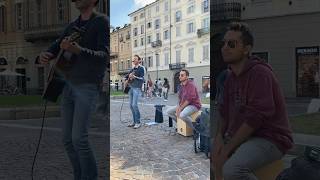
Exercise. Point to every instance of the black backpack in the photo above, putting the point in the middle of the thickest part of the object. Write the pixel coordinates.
(305, 167)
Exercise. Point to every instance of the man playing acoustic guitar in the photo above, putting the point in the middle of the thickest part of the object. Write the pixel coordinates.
(89, 61)
(135, 80)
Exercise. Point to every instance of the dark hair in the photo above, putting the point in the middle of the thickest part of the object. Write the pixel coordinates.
(137, 57)
(187, 72)
(246, 35)
(96, 3)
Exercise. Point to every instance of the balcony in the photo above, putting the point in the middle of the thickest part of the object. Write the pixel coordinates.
(123, 72)
(177, 66)
(226, 11)
(114, 55)
(156, 43)
(44, 32)
(203, 31)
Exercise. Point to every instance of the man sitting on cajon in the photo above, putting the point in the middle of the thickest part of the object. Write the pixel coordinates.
(189, 100)
(253, 129)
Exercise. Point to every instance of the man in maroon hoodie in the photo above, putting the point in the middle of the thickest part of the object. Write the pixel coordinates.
(189, 100)
(253, 126)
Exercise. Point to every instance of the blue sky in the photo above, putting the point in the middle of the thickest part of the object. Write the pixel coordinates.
(119, 10)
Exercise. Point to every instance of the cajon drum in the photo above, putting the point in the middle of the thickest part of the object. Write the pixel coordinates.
(270, 171)
(182, 126)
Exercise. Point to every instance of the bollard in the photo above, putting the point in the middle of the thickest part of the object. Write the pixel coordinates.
(159, 114)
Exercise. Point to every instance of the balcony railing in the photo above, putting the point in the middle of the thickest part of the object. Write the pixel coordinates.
(114, 55)
(226, 11)
(156, 43)
(203, 31)
(177, 66)
(45, 32)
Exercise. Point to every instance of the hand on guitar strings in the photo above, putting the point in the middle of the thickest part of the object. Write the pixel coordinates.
(45, 57)
(72, 47)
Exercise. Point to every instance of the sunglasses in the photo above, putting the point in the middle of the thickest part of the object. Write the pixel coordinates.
(230, 43)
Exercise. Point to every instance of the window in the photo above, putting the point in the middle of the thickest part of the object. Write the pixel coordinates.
(135, 43)
(149, 13)
(205, 23)
(166, 6)
(158, 36)
(157, 60)
(166, 18)
(157, 23)
(39, 13)
(135, 31)
(178, 56)
(157, 8)
(121, 47)
(166, 58)
(128, 64)
(135, 18)
(122, 65)
(150, 61)
(111, 69)
(61, 10)
(205, 52)
(166, 34)
(191, 55)
(19, 19)
(177, 1)
(205, 6)
(190, 9)
(149, 24)
(2, 19)
(190, 27)
(178, 16)
(178, 31)
(141, 15)
(148, 39)
(141, 42)
(142, 29)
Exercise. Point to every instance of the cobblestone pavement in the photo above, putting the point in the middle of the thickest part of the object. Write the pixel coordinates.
(18, 142)
(151, 152)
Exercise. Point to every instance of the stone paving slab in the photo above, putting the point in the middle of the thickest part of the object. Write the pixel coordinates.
(18, 146)
(151, 152)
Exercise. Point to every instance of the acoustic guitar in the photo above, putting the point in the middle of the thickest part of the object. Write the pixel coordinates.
(58, 68)
(126, 84)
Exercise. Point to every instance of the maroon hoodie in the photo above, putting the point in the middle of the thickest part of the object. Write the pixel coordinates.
(254, 97)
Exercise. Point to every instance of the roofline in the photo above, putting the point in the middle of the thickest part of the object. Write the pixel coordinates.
(142, 8)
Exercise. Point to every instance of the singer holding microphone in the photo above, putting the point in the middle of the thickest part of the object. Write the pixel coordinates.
(89, 61)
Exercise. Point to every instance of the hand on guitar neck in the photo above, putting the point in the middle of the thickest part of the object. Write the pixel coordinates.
(72, 47)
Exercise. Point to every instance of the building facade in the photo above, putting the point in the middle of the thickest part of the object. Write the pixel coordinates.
(170, 35)
(286, 36)
(120, 59)
(28, 27)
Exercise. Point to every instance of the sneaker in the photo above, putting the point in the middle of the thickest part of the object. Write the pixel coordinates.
(131, 125)
(136, 126)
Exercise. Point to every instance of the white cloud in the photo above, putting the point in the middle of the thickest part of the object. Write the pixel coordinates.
(142, 3)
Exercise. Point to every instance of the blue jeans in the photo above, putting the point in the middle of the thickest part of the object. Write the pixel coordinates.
(134, 94)
(76, 107)
(185, 114)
